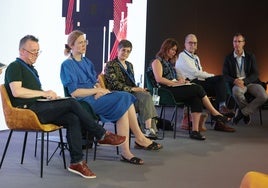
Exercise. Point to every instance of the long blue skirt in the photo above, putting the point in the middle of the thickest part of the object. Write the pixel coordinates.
(112, 106)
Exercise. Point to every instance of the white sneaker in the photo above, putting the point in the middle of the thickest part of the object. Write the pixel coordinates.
(150, 133)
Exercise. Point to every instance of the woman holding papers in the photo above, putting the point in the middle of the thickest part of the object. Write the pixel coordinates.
(193, 94)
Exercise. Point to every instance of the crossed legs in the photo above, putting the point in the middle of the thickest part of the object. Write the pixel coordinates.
(129, 122)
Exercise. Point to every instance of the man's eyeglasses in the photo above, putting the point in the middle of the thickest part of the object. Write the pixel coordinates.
(238, 41)
(192, 43)
(33, 53)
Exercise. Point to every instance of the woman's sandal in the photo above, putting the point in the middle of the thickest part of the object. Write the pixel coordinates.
(152, 146)
(133, 160)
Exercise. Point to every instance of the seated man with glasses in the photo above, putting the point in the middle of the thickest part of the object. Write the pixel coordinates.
(37, 53)
(25, 91)
(188, 64)
(241, 73)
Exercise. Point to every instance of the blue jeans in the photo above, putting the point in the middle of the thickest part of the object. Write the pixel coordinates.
(71, 115)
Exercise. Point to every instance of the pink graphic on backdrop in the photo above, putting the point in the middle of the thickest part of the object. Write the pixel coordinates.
(69, 18)
(120, 24)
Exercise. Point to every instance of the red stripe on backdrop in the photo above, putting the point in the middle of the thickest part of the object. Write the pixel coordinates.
(120, 24)
(69, 18)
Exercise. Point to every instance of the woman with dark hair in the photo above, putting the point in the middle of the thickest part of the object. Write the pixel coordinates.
(119, 75)
(192, 94)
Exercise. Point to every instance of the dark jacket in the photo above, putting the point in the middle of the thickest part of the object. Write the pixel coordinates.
(117, 78)
(250, 67)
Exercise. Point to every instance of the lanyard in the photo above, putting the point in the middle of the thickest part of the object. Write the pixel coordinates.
(31, 69)
(195, 60)
(240, 68)
(127, 71)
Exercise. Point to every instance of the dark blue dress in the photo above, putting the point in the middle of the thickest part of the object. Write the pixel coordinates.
(110, 107)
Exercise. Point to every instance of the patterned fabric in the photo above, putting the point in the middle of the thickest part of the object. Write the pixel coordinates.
(118, 78)
(169, 71)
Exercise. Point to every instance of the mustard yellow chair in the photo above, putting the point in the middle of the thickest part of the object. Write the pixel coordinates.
(18, 119)
(254, 179)
(101, 80)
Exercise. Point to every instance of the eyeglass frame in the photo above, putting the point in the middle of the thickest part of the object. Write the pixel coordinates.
(32, 53)
(192, 43)
(238, 41)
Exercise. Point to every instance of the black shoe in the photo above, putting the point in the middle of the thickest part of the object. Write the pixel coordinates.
(238, 117)
(197, 136)
(247, 119)
(220, 118)
(226, 112)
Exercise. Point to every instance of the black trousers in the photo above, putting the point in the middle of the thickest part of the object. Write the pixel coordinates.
(190, 94)
(71, 115)
(215, 87)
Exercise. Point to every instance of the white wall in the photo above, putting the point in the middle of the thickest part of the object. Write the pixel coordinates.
(136, 33)
(42, 18)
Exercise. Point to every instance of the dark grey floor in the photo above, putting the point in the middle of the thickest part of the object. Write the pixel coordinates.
(219, 162)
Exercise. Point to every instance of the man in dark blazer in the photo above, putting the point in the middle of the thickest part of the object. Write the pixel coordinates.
(241, 73)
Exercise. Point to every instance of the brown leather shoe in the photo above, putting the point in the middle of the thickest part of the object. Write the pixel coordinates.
(82, 170)
(112, 139)
(220, 126)
(227, 112)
